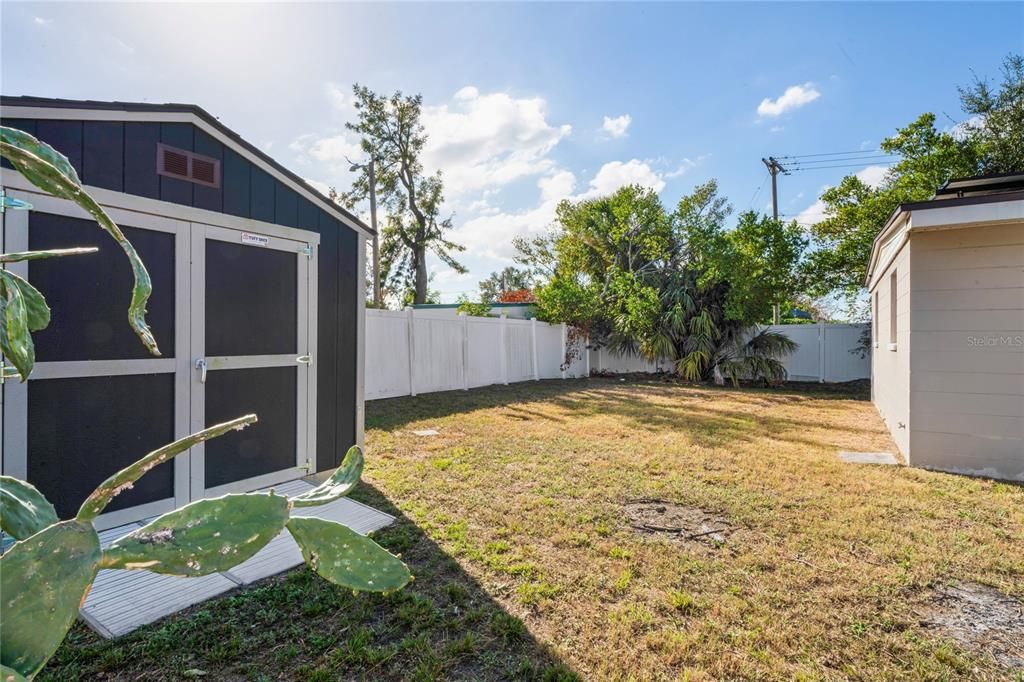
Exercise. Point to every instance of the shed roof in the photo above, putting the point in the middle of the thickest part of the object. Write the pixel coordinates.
(345, 216)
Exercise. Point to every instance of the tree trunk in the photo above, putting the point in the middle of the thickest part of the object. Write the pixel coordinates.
(420, 256)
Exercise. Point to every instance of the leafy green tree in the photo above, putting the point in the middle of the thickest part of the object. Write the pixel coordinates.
(855, 212)
(761, 266)
(990, 142)
(640, 280)
(509, 279)
(467, 307)
(999, 123)
(393, 135)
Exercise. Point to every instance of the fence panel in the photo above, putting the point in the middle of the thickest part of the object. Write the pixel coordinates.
(805, 363)
(387, 354)
(845, 360)
(519, 350)
(825, 352)
(549, 351)
(450, 353)
(484, 351)
(438, 354)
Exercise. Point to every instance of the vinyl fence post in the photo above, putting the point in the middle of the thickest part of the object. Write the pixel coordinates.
(586, 354)
(411, 324)
(465, 351)
(503, 348)
(565, 362)
(821, 352)
(533, 346)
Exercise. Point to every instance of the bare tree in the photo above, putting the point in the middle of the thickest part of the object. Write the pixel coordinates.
(393, 136)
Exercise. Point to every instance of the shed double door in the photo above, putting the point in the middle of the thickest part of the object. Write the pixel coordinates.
(250, 344)
(234, 315)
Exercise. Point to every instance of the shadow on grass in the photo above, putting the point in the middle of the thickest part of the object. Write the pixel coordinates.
(747, 417)
(296, 626)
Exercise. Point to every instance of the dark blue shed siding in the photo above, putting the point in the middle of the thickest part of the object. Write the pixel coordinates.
(122, 157)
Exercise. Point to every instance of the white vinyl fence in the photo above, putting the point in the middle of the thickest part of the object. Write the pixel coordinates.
(409, 352)
(825, 352)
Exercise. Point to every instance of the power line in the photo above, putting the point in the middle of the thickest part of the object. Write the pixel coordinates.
(859, 151)
(845, 159)
(757, 192)
(860, 165)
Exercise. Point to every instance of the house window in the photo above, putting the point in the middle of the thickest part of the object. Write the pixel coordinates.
(189, 166)
(892, 311)
(874, 319)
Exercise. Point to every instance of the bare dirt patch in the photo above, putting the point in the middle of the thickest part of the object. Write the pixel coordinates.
(979, 618)
(678, 522)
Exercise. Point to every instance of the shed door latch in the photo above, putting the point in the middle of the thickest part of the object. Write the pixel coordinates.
(307, 251)
(304, 359)
(202, 366)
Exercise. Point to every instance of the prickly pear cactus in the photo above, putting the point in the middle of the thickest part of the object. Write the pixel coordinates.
(207, 536)
(51, 171)
(46, 575)
(340, 484)
(23, 509)
(347, 558)
(43, 581)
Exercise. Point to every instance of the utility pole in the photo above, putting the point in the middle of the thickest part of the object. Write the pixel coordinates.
(774, 168)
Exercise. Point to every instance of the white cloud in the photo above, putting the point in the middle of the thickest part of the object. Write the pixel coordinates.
(336, 149)
(337, 96)
(491, 235)
(617, 127)
(448, 276)
(41, 21)
(557, 186)
(794, 97)
(872, 176)
(616, 174)
(777, 129)
(814, 213)
(321, 187)
(489, 140)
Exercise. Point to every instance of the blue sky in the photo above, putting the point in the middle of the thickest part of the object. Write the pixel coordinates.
(528, 104)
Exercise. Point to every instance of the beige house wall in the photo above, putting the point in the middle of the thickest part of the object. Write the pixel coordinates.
(890, 363)
(966, 373)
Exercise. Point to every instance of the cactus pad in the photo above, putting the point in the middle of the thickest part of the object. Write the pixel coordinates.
(347, 558)
(43, 582)
(10, 675)
(340, 484)
(203, 537)
(23, 509)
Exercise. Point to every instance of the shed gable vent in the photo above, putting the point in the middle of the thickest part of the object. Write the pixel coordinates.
(185, 165)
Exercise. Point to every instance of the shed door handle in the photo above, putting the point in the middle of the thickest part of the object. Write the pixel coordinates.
(201, 366)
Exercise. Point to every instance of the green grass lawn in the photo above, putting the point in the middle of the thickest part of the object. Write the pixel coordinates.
(527, 566)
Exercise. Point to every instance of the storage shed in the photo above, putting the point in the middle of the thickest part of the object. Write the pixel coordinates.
(946, 280)
(257, 306)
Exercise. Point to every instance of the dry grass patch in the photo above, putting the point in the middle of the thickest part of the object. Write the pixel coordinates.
(528, 566)
(820, 579)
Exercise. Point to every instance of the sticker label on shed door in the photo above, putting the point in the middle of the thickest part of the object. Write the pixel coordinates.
(255, 239)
